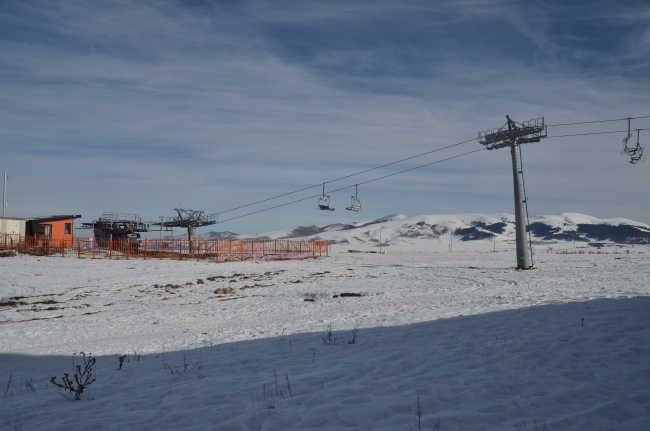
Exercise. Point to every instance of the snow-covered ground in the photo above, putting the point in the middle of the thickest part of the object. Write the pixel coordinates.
(565, 346)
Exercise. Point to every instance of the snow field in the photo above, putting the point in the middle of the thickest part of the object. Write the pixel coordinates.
(488, 347)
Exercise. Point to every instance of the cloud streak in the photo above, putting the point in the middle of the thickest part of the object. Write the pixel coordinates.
(138, 106)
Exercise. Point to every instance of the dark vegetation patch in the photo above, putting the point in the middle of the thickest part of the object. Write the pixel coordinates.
(550, 233)
(472, 234)
(301, 231)
(494, 227)
(624, 234)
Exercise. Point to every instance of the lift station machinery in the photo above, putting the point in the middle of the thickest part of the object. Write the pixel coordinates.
(118, 225)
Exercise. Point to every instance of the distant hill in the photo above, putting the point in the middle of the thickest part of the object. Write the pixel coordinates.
(466, 227)
(216, 235)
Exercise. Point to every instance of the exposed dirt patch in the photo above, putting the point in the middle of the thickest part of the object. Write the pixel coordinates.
(12, 303)
(251, 286)
(216, 277)
(167, 286)
(348, 295)
(224, 291)
(48, 301)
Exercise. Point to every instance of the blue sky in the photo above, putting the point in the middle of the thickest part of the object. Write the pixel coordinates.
(139, 107)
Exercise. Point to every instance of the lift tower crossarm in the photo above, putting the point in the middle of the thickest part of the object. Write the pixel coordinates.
(513, 137)
(190, 219)
(526, 132)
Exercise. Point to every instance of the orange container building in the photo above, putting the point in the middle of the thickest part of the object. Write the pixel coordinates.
(60, 227)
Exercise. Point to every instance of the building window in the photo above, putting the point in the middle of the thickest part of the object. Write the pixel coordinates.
(45, 230)
(68, 228)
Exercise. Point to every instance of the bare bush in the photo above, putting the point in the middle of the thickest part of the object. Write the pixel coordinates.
(82, 377)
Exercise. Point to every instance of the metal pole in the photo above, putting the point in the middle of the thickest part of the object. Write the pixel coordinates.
(4, 195)
(190, 237)
(523, 261)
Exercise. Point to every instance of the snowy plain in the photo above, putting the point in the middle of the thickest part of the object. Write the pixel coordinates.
(565, 346)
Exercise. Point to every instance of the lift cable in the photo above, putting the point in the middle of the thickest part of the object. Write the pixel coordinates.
(424, 154)
(597, 121)
(348, 176)
(592, 133)
(347, 187)
(387, 176)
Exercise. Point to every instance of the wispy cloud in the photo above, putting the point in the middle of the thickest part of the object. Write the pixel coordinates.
(139, 106)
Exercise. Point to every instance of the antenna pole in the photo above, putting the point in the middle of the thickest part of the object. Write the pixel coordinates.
(4, 195)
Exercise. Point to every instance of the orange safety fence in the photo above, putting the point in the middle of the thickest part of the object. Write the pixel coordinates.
(10, 241)
(223, 250)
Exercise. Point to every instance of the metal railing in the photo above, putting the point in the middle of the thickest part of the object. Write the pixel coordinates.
(223, 250)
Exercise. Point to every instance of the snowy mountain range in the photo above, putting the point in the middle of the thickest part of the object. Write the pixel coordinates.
(465, 227)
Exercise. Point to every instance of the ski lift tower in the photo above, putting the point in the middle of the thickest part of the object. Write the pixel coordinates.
(190, 219)
(512, 135)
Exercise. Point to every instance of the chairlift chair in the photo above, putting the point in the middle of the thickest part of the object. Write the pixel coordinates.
(626, 150)
(324, 201)
(637, 152)
(355, 205)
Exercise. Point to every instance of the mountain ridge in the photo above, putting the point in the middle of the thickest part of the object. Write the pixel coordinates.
(466, 227)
